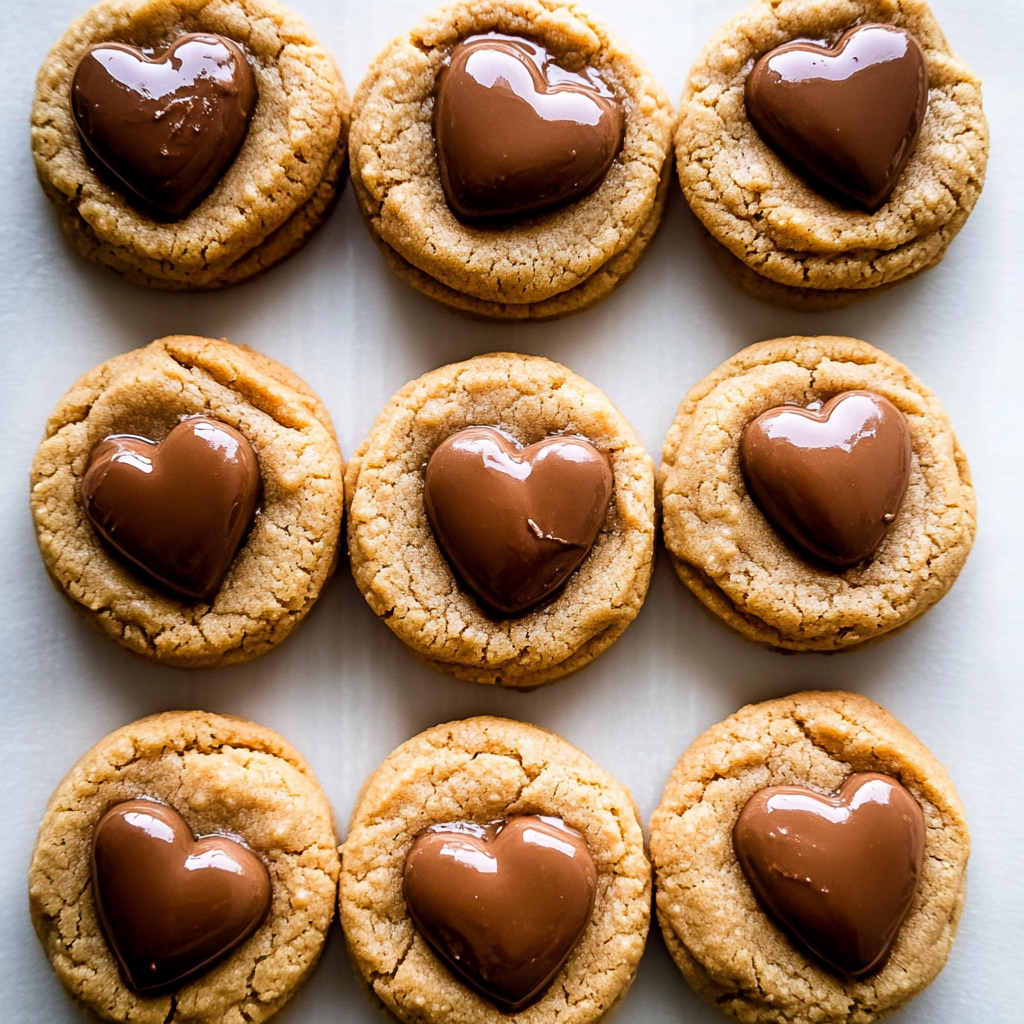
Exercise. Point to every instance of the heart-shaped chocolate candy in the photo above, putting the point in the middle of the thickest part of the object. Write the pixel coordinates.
(179, 509)
(848, 116)
(503, 904)
(516, 523)
(837, 873)
(166, 127)
(172, 906)
(832, 480)
(516, 133)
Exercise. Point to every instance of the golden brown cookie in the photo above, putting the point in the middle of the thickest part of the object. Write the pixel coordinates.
(409, 583)
(542, 266)
(480, 770)
(728, 949)
(285, 558)
(222, 775)
(793, 245)
(266, 204)
(736, 561)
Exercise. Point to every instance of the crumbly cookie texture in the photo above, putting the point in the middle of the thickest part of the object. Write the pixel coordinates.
(542, 266)
(483, 769)
(769, 218)
(728, 950)
(731, 557)
(292, 549)
(271, 199)
(404, 576)
(221, 774)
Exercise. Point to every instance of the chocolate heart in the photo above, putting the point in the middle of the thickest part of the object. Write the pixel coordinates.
(832, 480)
(166, 127)
(516, 133)
(172, 906)
(849, 116)
(179, 509)
(837, 873)
(516, 523)
(502, 904)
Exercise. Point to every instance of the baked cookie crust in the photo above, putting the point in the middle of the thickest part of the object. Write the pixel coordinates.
(535, 268)
(726, 947)
(270, 200)
(739, 566)
(293, 546)
(221, 774)
(482, 769)
(406, 579)
(777, 225)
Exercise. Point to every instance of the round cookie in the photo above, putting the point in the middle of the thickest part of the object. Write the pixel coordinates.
(484, 769)
(735, 561)
(780, 239)
(537, 267)
(221, 775)
(728, 949)
(284, 560)
(268, 201)
(408, 582)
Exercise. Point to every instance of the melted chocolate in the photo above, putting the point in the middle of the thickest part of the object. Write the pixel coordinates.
(179, 509)
(167, 127)
(849, 117)
(516, 133)
(832, 480)
(516, 523)
(838, 873)
(503, 904)
(172, 906)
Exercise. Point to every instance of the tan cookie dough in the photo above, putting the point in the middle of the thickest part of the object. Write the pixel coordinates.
(728, 554)
(766, 216)
(537, 268)
(292, 549)
(221, 774)
(728, 950)
(483, 769)
(270, 200)
(404, 576)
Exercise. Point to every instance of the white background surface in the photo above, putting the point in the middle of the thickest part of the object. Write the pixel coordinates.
(344, 691)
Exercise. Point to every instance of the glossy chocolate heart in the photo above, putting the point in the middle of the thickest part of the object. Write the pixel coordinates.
(848, 116)
(516, 133)
(179, 509)
(837, 873)
(516, 523)
(833, 479)
(172, 906)
(503, 904)
(166, 127)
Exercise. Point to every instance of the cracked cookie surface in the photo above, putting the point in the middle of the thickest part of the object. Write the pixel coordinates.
(403, 575)
(292, 548)
(280, 187)
(797, 241)
(221, 774)
(727, 949)
(484, 769)
(536, 268)
(739, 566)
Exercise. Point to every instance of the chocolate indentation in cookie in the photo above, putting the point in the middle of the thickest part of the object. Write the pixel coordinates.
(166, 127)
(516, 523)
(503, 904)
(848, 116)
(516, 133)
(833, 479)
(838, 873)
(172, 906)
(179, 509)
